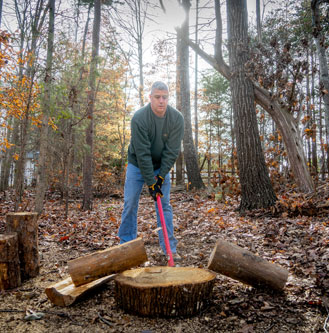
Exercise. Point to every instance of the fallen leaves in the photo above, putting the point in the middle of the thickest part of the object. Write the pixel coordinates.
(298, 242)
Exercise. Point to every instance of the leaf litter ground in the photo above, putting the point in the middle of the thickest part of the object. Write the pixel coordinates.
(300, 244)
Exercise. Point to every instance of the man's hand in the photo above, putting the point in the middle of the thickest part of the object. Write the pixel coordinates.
(155, 191)
(160, 180)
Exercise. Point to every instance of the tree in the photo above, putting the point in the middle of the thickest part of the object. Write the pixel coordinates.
(46, 105)
(196, 121)
(216, 104)
(190, 156)
(132, 21)
(88, 159)
(37, 22)
(1, 3)
(321, 50)
(256, 187)
(274, 105)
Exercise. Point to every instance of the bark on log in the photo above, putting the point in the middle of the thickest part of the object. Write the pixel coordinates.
(65, 293)
(113, 260)
(25, 224)
(10, 274)
(242, 265)
(164, 291)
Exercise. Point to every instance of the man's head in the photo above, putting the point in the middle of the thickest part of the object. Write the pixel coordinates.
(159, 98)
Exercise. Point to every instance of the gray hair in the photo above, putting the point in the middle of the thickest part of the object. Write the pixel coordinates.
(159, 85)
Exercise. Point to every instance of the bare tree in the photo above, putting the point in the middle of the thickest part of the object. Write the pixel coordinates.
(132, 20)
(321, 51)
(258, 21)
(190, 156)
(196, 121)
(273, 105)
(256, 187)
(41, 173)
(30, 32)
(88, 159)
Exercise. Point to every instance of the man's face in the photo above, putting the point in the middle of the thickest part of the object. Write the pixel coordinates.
(159, 101)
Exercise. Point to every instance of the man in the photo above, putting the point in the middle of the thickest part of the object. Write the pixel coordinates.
(157, 130)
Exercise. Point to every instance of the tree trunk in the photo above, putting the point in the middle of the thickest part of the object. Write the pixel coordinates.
(26, 227)
(285, 122)
(20, 165)
(164, 291)
(324, 73)
(288, 128)
(256, 187)
(258, 19)
(42, 170)
(115, 259)
(6, 163)
(88, 160)
(179, 161)
(180, 169)
(196, 121)
(141, 75)
(242, 265)
(315, 163)
(10, 274)
(37, 20)
(190, 156)
(1, 3)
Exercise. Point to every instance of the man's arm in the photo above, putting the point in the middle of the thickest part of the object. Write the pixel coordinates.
(142, 149)
(172, 146)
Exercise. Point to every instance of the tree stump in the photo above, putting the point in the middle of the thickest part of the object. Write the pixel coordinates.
(112, 260)
(242, 265)
(25, 224)
(10, 274)
(164, 291)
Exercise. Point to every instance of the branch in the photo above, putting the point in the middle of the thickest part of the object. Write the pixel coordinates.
(218, 64)
(162, 6)
(219, 30)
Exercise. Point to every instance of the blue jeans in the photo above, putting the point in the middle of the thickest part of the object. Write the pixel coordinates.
(132, 190)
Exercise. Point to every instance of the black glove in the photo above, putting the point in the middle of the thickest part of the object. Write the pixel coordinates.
(160, 180)
(155, 191)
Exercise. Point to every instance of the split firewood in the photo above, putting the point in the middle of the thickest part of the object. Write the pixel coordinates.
(25, 224)
(244, 266)
(113, 260)
(65, 293)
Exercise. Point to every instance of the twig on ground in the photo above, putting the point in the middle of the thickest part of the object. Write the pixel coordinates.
(325, 302)
(325, 324)
(104, 320)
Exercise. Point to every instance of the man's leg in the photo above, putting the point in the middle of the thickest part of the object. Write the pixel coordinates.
(168, 215)
(132, 190)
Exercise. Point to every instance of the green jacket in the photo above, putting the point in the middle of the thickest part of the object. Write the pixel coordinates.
(155, 142)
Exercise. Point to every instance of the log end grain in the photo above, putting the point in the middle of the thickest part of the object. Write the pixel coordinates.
(164, 291)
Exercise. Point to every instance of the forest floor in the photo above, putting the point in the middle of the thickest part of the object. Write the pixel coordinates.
(296, 242)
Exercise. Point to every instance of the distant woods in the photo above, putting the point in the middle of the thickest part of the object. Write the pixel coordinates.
(73, 74)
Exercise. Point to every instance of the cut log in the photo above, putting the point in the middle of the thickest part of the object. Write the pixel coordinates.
(25, 224)
(164, 291)
(10, 274)
(65, 293)
(244, 266)
(113, 260)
